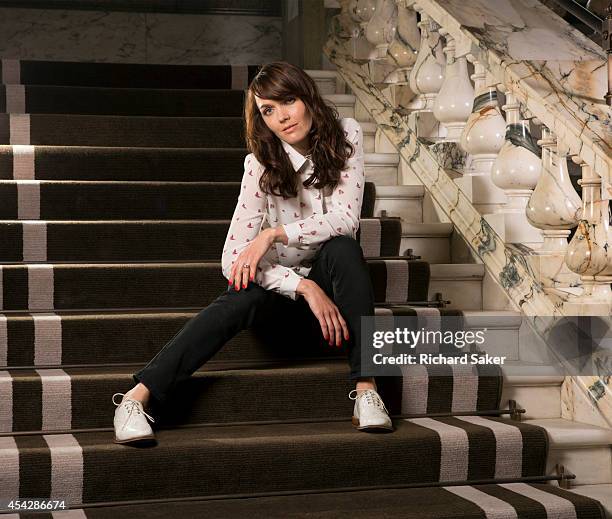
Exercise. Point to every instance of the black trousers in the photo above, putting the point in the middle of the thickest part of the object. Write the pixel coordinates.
(339, 268)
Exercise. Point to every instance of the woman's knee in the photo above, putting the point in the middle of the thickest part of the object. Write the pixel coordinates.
(252, 295)
(343, 247)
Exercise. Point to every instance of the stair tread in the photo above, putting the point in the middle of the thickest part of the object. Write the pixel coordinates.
(601, 492)
(399, 503)
(245, 368)
(565, 433)
(280, 433)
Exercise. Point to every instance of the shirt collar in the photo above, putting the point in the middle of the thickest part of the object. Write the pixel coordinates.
(296, 158)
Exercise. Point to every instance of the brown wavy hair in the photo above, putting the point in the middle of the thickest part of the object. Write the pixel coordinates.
(280, 81)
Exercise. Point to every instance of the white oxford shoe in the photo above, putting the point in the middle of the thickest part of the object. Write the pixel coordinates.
(131, 421)
(370, 412)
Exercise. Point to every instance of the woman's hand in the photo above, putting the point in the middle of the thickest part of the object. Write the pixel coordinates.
(250, 255)
(332, 323)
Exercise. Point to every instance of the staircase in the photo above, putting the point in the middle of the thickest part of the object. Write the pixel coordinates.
(118, 182)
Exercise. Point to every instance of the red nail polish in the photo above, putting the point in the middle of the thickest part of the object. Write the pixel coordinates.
(244, 285)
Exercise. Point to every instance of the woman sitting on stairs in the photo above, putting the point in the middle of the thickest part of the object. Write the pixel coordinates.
(305, 180)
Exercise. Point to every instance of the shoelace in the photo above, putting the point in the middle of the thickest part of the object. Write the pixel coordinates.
(371, 397)
(131, 406)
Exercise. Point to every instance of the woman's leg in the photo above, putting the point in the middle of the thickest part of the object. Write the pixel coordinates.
(341, 271)
(199, 339)
(339, 268)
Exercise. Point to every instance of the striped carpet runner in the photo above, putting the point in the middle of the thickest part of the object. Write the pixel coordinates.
(504, 501)
(247, 459)
(118, 182)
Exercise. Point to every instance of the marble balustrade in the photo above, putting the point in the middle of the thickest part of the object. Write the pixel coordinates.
(551, 86)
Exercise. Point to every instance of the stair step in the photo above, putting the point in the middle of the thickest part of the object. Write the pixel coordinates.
(540, 396)
(535, 500)
(69, 286)
(601, 493)
(87, 163)
(405, 202)
(461, 283)
(382, 168)
(344, 103)
(272, 457)
(126, 200)
(46, 99)
(60, 200)
(369, 136)
(431, 241)
(583, 449)
(71, 339)
(148, 240)
(61, 399)
(130, 75)
(109, 130)
(328, 81)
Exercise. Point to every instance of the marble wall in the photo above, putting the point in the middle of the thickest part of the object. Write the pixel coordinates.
(125, 37)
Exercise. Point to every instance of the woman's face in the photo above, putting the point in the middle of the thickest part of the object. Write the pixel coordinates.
(281, 115)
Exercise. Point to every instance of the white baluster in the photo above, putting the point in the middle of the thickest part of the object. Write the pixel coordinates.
(589, 253)
(361, 12)
(428, 72)
(554, 208)
(482, 138)
(382, 27)
(453, 104)
(516, 170)
(403, 49)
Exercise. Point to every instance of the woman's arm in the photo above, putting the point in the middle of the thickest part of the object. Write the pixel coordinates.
(245, 227)
(342, 217)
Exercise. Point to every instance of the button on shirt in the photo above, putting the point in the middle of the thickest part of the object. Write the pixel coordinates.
(309, 219)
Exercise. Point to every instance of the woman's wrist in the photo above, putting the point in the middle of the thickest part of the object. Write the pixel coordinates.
(278, 234)
(303, 286)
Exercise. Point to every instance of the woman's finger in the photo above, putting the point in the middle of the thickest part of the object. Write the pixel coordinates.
(345, 330)
(323, 324)
(330, 328)
(246, 272)
(337, 329)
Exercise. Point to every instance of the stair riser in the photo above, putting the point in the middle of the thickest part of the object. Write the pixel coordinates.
(108, 201)
(464, 294)
(538, 401)
(432, 250)
(181, 285)
(122, 101)
(408, 209)
(591, 465)
(135, 75)
(369, 141)
(149, 241)
(58, 339)
(86, 130)
(126, 200)
(382, 175)
(43, 401)
(117, 164)
(62, 399)
(64, 339)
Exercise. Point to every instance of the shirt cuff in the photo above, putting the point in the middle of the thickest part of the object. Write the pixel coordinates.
(292, 230)
(289, 285)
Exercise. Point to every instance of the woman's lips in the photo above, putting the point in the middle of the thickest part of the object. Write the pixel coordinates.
(291, 128)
